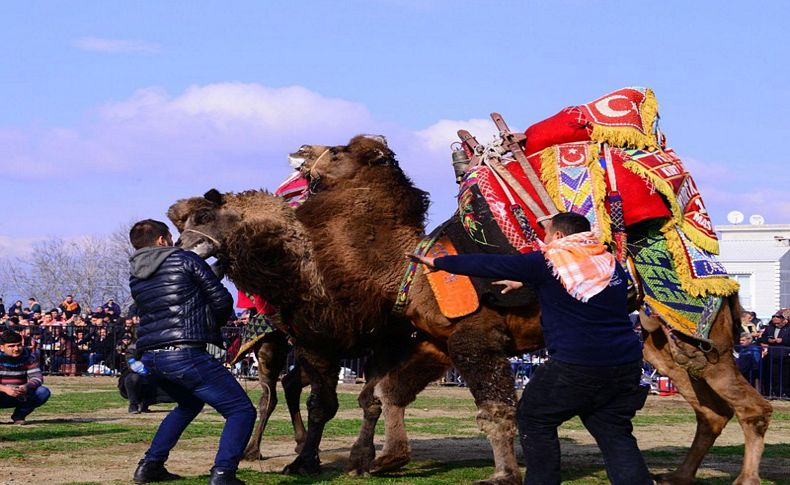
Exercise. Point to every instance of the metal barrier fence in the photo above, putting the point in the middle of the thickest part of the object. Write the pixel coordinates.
(77, 350)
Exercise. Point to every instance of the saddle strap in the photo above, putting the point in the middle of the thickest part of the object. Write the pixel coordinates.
(402, 298)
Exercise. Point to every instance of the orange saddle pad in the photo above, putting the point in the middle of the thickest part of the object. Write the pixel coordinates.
(455, 294)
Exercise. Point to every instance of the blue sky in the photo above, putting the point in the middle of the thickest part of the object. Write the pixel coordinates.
(113, 110)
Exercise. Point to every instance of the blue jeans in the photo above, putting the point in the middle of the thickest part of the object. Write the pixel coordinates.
(193, 378)
(605, 398)
(23, 407)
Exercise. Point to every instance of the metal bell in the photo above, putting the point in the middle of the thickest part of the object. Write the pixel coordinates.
(460, 161)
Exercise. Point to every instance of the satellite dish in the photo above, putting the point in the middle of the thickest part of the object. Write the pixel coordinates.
(757, 220)
(735, 217)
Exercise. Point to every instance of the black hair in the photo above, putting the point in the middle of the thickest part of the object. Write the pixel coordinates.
(10, 337)
(569, 223)
(145, 233)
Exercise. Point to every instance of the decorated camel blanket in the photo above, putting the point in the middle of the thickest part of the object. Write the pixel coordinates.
(609, 161)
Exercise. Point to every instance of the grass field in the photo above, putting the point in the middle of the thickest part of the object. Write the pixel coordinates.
(84, 435)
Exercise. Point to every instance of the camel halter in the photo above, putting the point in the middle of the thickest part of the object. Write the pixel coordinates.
(310, 172)
(210, 238)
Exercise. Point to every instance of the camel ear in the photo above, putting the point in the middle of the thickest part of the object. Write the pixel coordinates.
(371, 149)
(214, 196)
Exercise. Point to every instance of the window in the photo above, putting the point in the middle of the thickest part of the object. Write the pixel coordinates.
(745, 294)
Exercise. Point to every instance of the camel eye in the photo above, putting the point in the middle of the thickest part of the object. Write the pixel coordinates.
(204, 217)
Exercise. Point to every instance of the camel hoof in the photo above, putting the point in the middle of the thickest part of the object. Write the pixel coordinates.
(388, 463)
(360, 460)
(505, 480)
(672, 479)
(253, 454)
(750, 480)
(303, 466)
(299, 447)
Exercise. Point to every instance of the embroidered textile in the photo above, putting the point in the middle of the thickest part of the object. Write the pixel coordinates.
(664, 293)
(576, 182)
(664, 171)
(455, 294)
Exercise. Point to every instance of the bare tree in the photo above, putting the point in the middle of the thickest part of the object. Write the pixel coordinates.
(93, 269)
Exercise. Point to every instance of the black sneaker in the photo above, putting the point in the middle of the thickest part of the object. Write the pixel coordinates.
(224, 477)
(152, 471)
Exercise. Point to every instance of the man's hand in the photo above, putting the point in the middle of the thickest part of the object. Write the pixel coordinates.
(509, 285)
(426, 260)
(12, 391)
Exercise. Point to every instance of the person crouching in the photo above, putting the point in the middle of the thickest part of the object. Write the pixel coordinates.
(20, 378)
(181, 305)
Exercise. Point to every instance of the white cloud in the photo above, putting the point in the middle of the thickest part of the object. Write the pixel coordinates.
(116, 46)
(441, 134)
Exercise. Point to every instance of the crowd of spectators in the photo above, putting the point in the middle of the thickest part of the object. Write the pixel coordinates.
(764, 353)
(65, 338)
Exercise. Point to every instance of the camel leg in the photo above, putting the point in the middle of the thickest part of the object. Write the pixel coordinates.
(272, 353)
(321, 407)
(479, 355)
(293, 383)
(719, 393)
(363, 451)
(398, 389)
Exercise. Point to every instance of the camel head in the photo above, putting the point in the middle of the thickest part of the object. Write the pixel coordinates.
(203, 223)
(328, 164)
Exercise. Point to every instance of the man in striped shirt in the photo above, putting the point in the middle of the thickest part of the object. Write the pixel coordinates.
(20, 378)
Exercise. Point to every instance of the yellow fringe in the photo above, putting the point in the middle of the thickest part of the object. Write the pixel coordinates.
(598, 178)
(699, 238)
(671, 317)
(549, 175)
(719, 286)
(628, 137)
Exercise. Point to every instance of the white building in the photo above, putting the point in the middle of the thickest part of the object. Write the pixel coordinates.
(758, 257)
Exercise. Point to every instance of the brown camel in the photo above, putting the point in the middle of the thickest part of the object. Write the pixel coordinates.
(339, 258)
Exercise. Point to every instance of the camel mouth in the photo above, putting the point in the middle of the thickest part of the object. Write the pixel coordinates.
(204, 249)
(296, 162)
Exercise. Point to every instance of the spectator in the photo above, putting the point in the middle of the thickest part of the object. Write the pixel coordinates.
(135, 385)
(749, 323)
(67, 354)
(2, 308)
(749, 357)
(35, 306)
(20, 378)
(776, 364)
(112, 309)
(16, 310)
(70, 307)
(56, 315)
(100, 347)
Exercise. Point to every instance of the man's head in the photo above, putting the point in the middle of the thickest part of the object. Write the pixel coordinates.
(746, 338)
(779, 320)
(11, 343)
(564, 224)
(69, 298)
(150, 233)
(31, 301)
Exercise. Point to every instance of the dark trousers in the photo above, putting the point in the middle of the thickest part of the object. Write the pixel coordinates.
(23, 407)
(139, 389)
(605, 398)
(193, 378)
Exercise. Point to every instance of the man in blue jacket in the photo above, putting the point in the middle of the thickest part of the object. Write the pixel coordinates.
(595, 357)
(182, 305)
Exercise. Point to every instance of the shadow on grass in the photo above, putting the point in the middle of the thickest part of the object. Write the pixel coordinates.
(60, 428)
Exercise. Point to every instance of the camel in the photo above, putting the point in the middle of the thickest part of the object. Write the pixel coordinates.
(337, 261)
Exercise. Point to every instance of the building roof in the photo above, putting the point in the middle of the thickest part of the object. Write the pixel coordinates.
(751, 251)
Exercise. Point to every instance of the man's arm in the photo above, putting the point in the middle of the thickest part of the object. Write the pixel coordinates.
(217, 296)
(34, 376)
(526, 268)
